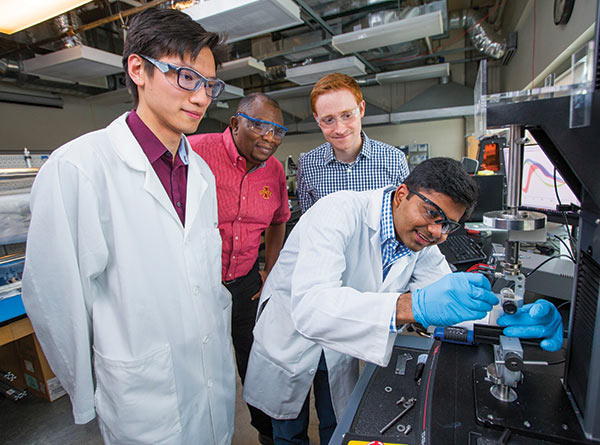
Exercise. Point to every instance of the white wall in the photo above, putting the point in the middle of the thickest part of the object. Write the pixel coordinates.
(44, 129)
(445, 138)
(550, 40)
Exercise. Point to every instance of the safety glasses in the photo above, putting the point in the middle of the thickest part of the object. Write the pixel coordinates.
(345, 117)
(263, 128)
(189, 79)
(434, 214)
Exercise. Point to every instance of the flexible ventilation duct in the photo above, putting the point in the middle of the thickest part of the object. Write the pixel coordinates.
(482, 35)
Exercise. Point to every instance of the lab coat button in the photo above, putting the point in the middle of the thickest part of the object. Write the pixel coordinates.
(196, 290)
(205, 339)
(312, 371)
(209, 383)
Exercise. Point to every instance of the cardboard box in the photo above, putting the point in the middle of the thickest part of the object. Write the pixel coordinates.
(11, 370)
(39, 378)
(15, 330)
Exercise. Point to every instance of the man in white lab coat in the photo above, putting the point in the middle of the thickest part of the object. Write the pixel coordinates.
(123, 270)
(357, 266)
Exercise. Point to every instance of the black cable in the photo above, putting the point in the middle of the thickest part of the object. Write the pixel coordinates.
(558, 362)
(565, 244)
(544, 262)
(564, 214)
(564, 303)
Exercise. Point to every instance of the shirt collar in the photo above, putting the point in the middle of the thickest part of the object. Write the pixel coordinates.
(151, 145)
(387, 232)
(365, 151)
(387, 220)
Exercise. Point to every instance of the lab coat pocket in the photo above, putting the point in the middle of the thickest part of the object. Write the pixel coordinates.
(136, 399)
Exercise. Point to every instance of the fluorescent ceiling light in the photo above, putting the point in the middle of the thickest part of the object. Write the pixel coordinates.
(235, 69)
(421, 72)
(15, 16)
(242, 19)
(75, 64)
(309, 74)
(392, 33)
(231, 92)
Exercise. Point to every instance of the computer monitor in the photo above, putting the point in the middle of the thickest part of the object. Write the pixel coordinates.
(537, 184)
(491, 195)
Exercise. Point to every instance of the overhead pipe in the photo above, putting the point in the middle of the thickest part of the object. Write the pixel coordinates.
(481, 33)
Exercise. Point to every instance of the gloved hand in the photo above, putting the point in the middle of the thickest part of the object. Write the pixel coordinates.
(536, 320)
(452, 299)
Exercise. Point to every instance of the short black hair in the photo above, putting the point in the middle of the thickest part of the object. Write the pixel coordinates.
(158, 32)
(247, 101)
(447, 176)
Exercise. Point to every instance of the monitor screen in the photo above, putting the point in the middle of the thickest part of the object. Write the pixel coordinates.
(537, 185)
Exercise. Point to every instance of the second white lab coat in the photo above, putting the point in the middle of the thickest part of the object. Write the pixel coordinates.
(326, 294)
(127, 302)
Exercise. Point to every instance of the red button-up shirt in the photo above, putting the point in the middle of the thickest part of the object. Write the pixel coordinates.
(172, 175)
(248, 202)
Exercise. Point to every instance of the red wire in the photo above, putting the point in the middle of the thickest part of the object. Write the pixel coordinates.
(480, 267)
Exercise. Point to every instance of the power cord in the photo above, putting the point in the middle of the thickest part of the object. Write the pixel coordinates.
(545, 261)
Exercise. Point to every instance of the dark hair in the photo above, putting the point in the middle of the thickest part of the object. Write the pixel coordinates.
(447, 176)
(247, 101)
(159, 32)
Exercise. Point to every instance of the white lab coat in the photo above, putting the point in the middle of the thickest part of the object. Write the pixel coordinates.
(127, 302)
(326, 293)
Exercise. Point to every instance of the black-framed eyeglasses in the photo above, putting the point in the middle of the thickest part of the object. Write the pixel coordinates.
(434, 214)
(189, 79)
(263, 127)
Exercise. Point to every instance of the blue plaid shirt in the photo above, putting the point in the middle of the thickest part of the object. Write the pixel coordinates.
(391, 249)
(320, 173)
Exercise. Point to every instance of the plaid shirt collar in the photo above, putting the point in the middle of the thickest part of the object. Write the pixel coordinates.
(366, 150)
(392, 249)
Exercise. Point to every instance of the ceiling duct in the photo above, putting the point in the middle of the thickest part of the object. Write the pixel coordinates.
(231, 92)
(12, 72)
(242, 19)
(418, 73)
(441, 101)
(481, 33)
(234, 69)
(405, 30)
(65, 23)
(76, 64)
(309, 74)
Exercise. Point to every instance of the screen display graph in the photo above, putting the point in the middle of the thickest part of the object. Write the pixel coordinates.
(537, 185)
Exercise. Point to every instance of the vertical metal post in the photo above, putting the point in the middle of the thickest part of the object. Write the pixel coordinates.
(513, 199)
(515, 168)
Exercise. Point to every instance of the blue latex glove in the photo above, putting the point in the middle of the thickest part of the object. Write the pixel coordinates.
(536, 320)
(452, 299)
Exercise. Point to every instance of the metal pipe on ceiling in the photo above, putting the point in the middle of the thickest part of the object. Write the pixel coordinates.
(481, 33)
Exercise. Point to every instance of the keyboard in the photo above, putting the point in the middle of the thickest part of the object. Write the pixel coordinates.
(461, 249)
